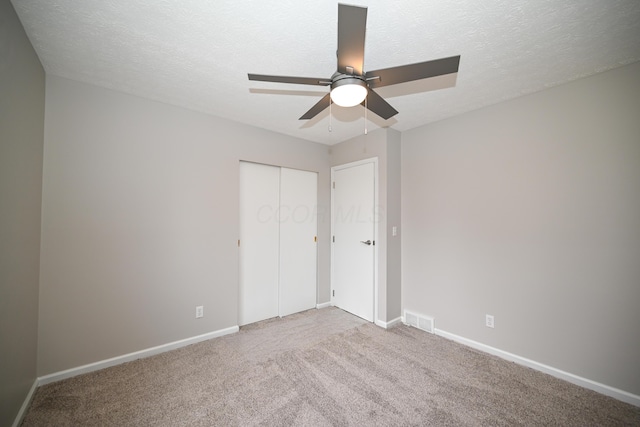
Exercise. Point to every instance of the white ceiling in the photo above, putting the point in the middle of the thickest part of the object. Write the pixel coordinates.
(197, 53)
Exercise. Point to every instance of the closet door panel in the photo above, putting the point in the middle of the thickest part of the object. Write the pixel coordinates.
(259, 242)
(298, 248)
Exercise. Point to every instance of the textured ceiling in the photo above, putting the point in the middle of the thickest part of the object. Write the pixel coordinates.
(197, 53)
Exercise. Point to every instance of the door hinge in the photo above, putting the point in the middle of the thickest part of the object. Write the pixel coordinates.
(238, 242)
(374, 243)
(315, 238)
(334, 293)
(334, 185)
(334, 239)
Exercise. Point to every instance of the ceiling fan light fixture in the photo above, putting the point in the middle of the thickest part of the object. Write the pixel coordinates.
(348, 92)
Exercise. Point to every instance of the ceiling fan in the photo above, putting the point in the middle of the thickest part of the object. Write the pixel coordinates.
(350, 84)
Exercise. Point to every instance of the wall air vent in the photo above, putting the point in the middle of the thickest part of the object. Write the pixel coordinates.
(424, 323)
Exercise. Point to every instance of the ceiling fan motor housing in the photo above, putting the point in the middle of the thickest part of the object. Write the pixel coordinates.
(338, 80)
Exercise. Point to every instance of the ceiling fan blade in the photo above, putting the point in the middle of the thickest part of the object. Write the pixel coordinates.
(379, 106)
(407, 73)
(352, 25)
(318, 108)
(287, 79)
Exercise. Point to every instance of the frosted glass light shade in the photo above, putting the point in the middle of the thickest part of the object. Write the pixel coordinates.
(349, 92)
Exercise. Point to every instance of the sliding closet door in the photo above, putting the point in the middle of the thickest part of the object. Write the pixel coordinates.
(259, 242)
(298, 229)
(278, 227)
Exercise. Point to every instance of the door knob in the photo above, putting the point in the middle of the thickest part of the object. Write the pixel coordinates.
(368, 242)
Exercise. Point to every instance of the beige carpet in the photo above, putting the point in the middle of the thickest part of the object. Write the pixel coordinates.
(322, 367)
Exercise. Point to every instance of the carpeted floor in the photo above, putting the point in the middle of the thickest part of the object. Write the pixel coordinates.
(323, 367)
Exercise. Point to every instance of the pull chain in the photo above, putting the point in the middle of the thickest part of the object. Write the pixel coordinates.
(330, 114)
(365, 116)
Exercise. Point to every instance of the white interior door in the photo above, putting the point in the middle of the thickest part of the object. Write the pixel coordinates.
(259, 242)
(353, 247)
(298, 229)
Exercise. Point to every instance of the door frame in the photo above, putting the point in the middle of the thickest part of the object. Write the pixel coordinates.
(373, 160)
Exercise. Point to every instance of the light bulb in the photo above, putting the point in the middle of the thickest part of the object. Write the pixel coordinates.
(349, 92)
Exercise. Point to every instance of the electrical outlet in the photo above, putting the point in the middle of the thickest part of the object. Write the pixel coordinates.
(489, 321)
(199, 311)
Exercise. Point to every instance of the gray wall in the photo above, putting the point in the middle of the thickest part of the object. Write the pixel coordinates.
(530, 211)
(385, 145)
(394, 243)
(140, 221)
(21, 143)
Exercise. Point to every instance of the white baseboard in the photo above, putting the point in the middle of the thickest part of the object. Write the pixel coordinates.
(25, 405)
(323, 305)
(57, 376)
(388, 324)
(622, 395)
